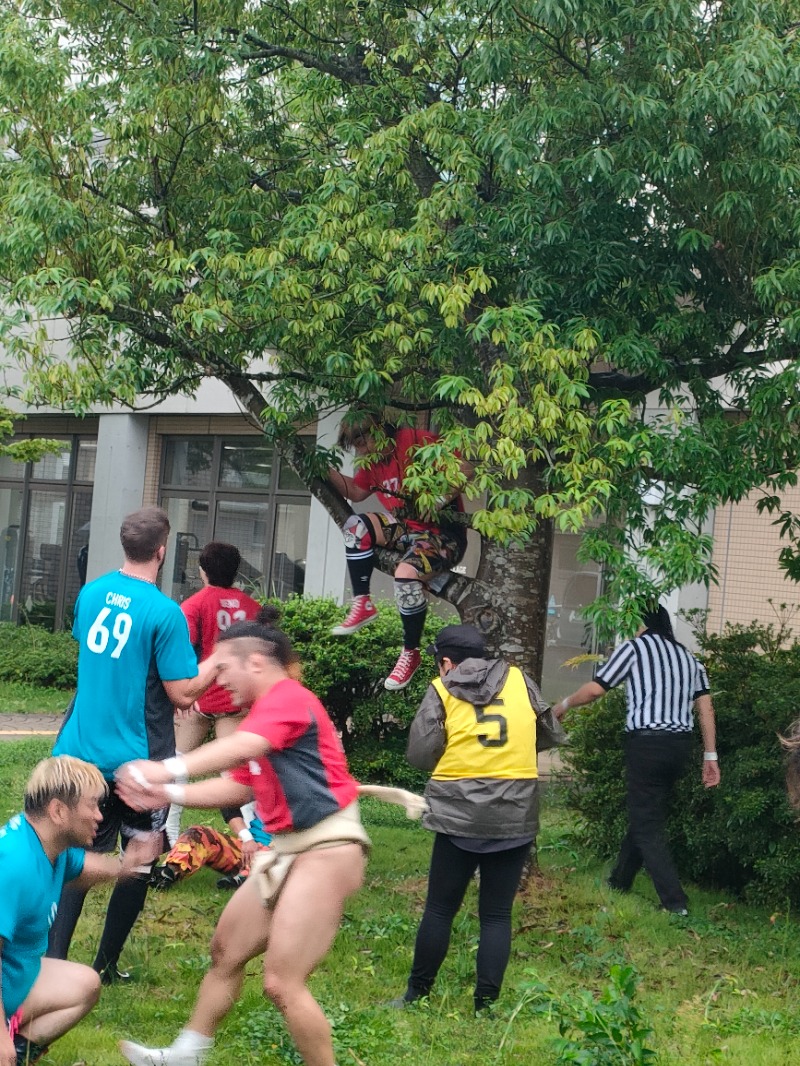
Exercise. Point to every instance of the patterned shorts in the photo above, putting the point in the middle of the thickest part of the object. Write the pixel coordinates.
(428, 552)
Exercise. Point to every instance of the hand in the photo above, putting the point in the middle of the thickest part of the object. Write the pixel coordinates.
(142, 798)
(559, 710)
(711, 775)
(8, 1055)
(249, 849)
(141, 773)
(140, 785)
(182, 713)
(142, 850)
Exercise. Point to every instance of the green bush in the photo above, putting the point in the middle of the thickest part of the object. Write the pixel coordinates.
(741, 836)
(37, 656)
(347, 674)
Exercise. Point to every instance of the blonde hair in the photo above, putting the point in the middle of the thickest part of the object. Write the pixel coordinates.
(63, 778)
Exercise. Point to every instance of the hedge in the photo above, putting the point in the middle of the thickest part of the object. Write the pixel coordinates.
(34, 655)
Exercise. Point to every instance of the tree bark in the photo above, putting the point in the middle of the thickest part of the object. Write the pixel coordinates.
(507, 600)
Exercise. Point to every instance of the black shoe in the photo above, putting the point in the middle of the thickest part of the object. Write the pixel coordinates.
(27, 1051)
(406, 1000)
(398, 1003)
(484, 1007)
(231, 881)
(162, 878)
(112, 975)
(617, 888)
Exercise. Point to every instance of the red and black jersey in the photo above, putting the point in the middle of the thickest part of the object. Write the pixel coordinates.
(210, 612)
(385, 477)
(304, 778)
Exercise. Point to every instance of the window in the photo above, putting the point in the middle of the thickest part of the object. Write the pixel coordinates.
(234, 489)
(44, 533)
(573, 586)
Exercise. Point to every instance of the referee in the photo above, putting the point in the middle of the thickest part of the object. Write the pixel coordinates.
(663, 681)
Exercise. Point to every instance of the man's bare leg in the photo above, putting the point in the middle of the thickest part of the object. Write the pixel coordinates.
(304, 926)
(241, 935)
(63, 993)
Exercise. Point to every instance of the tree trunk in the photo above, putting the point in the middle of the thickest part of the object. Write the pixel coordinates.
(507, 600)
(520, 580)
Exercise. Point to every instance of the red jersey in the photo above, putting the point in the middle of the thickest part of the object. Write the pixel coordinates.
(304, 778)
(385, 477)
(210, 612)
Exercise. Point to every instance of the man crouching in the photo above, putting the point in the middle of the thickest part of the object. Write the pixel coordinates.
(40, 850)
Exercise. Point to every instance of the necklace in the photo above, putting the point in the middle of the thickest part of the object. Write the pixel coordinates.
(135, 577)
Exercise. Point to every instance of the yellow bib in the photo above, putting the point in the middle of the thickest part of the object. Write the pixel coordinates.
(495, 741)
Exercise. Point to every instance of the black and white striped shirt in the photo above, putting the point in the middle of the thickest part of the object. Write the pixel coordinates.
(662, 681)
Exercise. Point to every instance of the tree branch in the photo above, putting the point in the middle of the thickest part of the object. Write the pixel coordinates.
(350, 73)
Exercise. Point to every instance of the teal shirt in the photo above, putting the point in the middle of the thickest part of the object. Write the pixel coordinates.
(132, 637)
(30, 888)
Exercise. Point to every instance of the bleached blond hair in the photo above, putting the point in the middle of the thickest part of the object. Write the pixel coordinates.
(64, 778)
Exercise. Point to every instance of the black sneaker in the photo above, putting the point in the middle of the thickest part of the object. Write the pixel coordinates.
(27, 1052)
(112, 975)
(163, 877)
(617, 888)
(231, 881)
(401, 1002)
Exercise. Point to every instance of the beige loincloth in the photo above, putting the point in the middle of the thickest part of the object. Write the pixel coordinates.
(271, 867)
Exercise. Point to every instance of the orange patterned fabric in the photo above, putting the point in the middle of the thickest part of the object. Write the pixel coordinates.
(199, 846)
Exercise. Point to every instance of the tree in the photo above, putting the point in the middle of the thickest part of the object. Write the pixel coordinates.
(28, 450)
(524, 217)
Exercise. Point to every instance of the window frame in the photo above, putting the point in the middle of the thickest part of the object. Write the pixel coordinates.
(217, 494)
(68, 486)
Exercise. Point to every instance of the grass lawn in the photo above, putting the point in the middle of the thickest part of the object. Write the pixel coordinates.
(720, 987)
(16, 697)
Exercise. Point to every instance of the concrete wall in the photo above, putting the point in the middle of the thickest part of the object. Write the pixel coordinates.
(118, 486)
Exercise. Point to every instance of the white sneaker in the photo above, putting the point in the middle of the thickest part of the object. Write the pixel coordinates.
(138, 1055)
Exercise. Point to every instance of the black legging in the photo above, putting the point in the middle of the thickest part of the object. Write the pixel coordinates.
(450, 873)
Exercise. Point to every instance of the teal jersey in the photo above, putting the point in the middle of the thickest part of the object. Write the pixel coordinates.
(132, 637)
(30, 888)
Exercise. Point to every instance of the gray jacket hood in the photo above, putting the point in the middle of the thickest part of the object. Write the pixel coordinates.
(477, 680)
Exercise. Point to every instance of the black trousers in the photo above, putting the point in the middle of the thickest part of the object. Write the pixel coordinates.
(654, 760)
(450, 874)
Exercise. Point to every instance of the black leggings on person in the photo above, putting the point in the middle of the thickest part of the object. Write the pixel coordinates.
(450, 873)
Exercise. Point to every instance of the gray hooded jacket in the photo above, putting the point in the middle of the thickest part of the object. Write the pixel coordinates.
(480, 807)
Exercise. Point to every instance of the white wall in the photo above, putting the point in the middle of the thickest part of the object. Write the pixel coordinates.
(326, 572)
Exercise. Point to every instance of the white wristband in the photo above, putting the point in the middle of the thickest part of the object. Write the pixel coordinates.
(245, 836)
(709, 756)
(175, 793)
(176, 767)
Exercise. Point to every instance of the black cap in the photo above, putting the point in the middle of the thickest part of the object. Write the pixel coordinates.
(458, 643)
